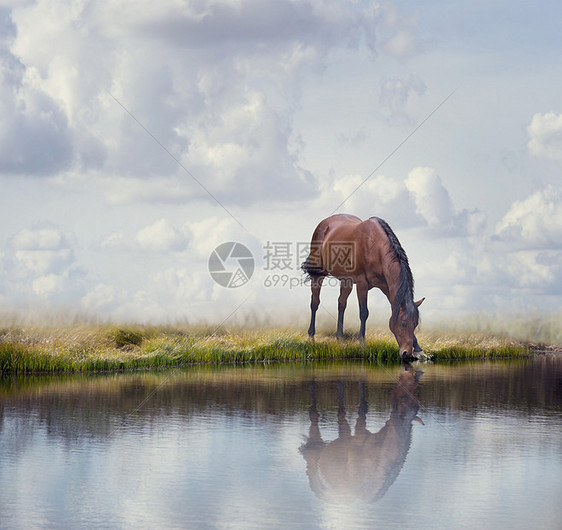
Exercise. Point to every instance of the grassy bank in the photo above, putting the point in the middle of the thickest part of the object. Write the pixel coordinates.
(113, 348)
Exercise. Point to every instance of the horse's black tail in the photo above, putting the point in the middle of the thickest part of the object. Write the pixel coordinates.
(312, 265)
(313, 270)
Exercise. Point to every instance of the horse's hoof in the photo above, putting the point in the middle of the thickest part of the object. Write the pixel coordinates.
(420, 355)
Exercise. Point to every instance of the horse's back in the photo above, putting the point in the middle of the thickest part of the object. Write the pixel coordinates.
(360, 243)
(333, 223)
(345, 227)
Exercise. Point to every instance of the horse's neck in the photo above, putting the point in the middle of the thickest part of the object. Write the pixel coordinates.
(392, 277)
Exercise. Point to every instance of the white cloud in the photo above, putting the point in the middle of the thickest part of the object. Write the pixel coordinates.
(545, 136)
(533, 223)
(167, 295)
(102, 299)
(400, 36)
(434, 204)
(44, 238)
(380, 195)
(44, 261)
(166, 190)
(419, 200)
(161, 237)
(432, 199)
(116, 241)
(178, 289)
(208, 233)
(215, 83)
(248, 155)
(520, 267)
(197, 237)
(395, 95)
(111, 302)
(42, 250)
(40, 263)
(243, 24)
(46, 286)
(537, 271)
(173, 286)
(401, 44)
(34, 134)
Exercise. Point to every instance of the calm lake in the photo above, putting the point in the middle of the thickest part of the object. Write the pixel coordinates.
(352, 445)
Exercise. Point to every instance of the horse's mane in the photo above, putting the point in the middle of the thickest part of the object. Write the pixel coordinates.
(405, 294)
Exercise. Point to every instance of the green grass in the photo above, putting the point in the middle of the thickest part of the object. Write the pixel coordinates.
(94, 348)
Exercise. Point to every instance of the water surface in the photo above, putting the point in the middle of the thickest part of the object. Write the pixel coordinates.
(352, 445)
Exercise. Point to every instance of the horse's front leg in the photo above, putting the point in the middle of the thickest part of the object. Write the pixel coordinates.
(316, 285)
(345, 289)
(418, 353)
(362, 290)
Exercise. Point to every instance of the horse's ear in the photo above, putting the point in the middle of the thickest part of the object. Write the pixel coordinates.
(419, 302)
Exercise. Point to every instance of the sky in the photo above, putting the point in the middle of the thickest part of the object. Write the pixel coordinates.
(136, 137)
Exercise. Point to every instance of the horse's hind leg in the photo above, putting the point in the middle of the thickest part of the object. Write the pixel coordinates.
(345, 289)
(316, 285)
(362, 290)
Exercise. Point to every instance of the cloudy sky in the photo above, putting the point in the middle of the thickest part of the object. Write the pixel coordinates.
(135, 137)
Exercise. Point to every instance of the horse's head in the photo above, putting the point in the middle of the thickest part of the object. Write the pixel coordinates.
(402, 324)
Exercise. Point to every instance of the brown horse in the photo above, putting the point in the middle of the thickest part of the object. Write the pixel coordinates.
(362, 465)
(367, 254)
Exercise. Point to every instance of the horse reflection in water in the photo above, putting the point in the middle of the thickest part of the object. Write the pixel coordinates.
(364, 465)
